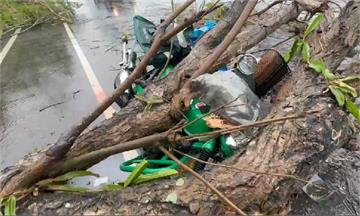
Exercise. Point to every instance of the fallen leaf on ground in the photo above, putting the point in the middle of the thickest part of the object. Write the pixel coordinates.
(216, 122)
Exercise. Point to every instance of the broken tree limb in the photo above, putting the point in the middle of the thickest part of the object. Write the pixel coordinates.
(85, 160)
(216, 133)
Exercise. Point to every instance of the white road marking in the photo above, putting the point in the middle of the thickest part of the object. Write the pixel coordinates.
(95, 84)
(9, 44)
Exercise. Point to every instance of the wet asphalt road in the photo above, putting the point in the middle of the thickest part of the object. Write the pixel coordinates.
(42, 69)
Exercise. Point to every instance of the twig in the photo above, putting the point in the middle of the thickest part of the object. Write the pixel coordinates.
(246, 126)
(283, 41)
(194, 18)
(196, 175)
(52, 105)
(74, 93)
(171, 45)
(110, 48)
(267, 8)
(103, 153)
(336, 5)
(241, 169)
(227, 40)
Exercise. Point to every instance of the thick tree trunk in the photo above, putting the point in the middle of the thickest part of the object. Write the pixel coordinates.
(295, 147)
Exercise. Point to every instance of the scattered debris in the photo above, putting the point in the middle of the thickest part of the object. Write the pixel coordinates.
(172, 197)
(52, 105)
(180, 182)
(110, 48)
(74, 93)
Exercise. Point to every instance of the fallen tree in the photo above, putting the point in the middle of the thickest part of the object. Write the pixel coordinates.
(290, 148)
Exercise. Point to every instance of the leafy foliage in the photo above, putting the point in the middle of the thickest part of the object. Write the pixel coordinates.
(155, 176)
(295, 48)
(305, 51)
(342, 91)
(136, 173)
(339, 95)
(16, 13)
(353, 109)
(66, 177)
(314, 24)
(8, 206)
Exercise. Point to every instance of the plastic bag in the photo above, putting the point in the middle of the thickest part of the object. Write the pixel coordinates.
(223, 87)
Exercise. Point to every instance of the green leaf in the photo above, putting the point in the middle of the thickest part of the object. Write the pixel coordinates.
(350, 78)
(345, 88)
(136, 173)
(328, 74)
(317, 65)
(66, 177)
(353, 109)
(10, 206)
(111, 187)
(305, 51)
(297, 44)
(340, 97)
(155, 176)
(320, 67)
(314, 24)
(1, 200)
(66, 188)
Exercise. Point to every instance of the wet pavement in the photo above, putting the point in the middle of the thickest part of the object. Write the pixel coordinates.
(42, 69)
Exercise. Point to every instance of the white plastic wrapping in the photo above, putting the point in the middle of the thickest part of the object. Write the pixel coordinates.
(223, 87)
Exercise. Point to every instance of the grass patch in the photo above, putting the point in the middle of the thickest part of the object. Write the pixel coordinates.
(27, 13)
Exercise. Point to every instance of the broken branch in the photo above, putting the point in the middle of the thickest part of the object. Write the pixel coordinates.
(267, 8)
(246, 126)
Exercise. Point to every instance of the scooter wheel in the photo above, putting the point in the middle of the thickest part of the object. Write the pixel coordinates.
(204, 156)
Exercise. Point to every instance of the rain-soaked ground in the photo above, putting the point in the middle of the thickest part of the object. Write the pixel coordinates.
(42, 69)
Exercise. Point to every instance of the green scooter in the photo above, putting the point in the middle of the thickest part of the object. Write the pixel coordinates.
(144, 33)
(203, 150)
